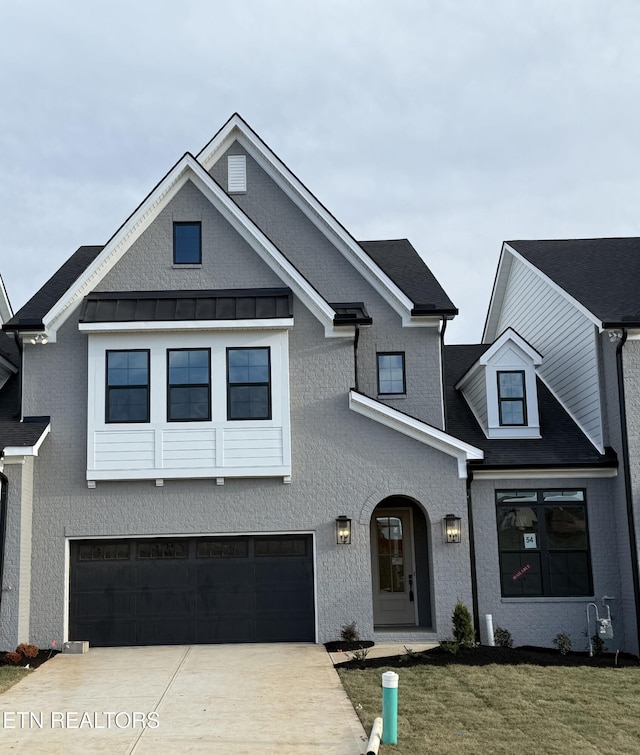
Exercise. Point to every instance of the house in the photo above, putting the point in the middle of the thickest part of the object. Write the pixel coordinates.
(233, 422)
(237, 426)
(577, 303)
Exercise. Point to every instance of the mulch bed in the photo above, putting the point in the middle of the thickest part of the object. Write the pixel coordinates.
(483, 655)
(42, 657)
(340, 646)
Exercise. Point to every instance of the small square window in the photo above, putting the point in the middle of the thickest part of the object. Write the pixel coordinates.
(187, 244)
(391, 374)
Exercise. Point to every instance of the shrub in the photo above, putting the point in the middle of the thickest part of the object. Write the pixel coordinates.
(349, 633)
(12, 658)
(597, 645)
(28, 651)
(502, 637)
(463, 632)
(360, 655)
(562, 642)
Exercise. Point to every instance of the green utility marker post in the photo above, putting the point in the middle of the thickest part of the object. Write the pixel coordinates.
(389, 708)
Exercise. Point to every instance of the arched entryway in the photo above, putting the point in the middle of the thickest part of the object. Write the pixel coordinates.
(400, 564)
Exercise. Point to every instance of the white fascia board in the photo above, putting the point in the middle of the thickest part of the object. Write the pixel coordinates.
(633, 335)
(414, 428)
(497, 295)
(237, 129)
(565, 473)
(186, 325)
(580, 307)
(21, 451)
(6, 312)
(187, 169)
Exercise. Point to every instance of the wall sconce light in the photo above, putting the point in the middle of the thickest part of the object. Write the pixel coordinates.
(39, 338)
(452, 526)
(343, 530)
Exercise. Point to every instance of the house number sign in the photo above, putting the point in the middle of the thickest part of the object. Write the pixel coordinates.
(530, 540)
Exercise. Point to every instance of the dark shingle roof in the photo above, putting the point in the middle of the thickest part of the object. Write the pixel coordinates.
(602, 274)
(407, 270)
(12, 431)
(9, 349)
(562, 444)
(31, 314)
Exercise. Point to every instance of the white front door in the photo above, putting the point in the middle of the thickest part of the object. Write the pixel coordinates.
(392, 568)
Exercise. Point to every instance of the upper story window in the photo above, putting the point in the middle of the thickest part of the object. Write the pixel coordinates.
(187, 243)
(543, 543)
(512, 407)
(248, 383)
(127, 388)
(391, 373)
(188, 385)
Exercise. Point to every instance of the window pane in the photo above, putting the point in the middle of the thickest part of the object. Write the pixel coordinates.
(391, 373)
(189, 367)
(566, 527)
(189, 403)
(249, 402)
(127, 368)
(512, 413)
(563, 495)
(128, 405)
(248, 365)
(511, 384)
(516, 496)
(513, 523)
(521, 574)
(390, 554)
(186, 243)
(189, 385)
(569, 574)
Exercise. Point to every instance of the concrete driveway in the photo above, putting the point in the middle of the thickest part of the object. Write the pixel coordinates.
(227, 699)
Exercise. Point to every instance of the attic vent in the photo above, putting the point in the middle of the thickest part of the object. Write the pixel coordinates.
(237, 173)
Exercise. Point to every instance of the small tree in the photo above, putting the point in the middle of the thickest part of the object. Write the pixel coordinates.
(463, 632)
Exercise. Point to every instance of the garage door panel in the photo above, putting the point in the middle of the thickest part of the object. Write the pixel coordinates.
(103, 606)
(162, 574)
(105, 575)
(198, 590)
(163, 603)
(227, 601)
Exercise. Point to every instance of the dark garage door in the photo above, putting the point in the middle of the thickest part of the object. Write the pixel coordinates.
(186, 591)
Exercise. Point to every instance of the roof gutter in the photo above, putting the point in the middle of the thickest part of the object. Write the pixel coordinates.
(633, 543)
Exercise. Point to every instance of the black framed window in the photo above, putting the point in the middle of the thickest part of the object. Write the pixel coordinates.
(127, 390)
(249, 383)
(391, 373)
(544, 543)
(188, 385)
(187, 243)
(512, 406)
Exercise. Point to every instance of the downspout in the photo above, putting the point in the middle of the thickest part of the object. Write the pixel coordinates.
(355, 356)
(633, 543)
(4, 483)
(472, 558)
(442, 382)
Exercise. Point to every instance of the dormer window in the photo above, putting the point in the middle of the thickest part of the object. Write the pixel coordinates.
(501, 390)
(512, 405)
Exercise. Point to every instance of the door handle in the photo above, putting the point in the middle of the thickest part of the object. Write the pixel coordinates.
(411, 588)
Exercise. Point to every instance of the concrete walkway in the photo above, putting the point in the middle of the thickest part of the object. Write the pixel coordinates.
(226, 699)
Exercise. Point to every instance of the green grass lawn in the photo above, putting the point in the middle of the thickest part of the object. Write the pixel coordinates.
(9, 675)
(505, 709)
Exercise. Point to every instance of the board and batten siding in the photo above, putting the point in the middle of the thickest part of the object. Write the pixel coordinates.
(566, 339)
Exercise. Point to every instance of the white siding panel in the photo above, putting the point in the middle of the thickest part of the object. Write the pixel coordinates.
(189, 448)
(253, 447)
(124, 450)
(476, 396)
(565, 338)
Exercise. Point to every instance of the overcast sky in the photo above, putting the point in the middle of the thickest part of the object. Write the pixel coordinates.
(454, 123)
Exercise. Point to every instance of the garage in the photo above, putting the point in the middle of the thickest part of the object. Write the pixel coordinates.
(165, 591)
